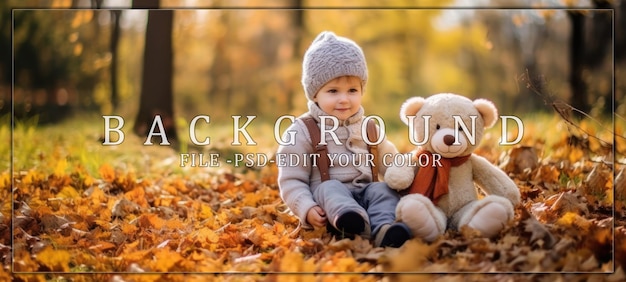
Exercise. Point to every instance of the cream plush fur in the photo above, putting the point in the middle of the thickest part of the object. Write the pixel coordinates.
(461, 205)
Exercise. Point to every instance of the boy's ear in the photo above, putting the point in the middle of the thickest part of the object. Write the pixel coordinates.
(411, 107)
(487, 110)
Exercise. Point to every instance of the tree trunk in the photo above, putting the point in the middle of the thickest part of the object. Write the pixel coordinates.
(298, 29)
(115, 35)
(221, 89)
(577, 62)
(156, 96)
(620, 37)
(600, 38)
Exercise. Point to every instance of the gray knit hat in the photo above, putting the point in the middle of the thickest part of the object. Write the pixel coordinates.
(331, 56)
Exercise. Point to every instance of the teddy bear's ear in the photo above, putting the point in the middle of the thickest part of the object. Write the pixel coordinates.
(487, 110)
(411, 107)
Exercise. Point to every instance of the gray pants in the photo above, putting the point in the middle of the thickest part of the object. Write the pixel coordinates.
(376, 202)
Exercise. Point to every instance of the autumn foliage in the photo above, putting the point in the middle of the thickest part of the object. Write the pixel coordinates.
(120, 225)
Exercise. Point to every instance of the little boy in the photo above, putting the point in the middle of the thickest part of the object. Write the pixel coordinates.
(334, 75)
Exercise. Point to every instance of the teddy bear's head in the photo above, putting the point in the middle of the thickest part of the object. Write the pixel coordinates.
(435, 116)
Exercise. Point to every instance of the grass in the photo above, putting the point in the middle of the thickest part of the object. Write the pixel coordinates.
(78, 141)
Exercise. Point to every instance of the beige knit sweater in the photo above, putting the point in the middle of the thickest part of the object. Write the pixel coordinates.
(349, 163)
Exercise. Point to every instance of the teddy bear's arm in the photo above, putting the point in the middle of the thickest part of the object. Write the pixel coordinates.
(400, 177)
(493, 180)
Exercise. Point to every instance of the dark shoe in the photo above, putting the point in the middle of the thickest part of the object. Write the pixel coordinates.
(350, 222)
(393, 235)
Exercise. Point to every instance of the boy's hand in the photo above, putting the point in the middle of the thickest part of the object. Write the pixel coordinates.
(316, 216)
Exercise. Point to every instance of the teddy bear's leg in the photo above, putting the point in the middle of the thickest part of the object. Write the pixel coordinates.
(488, 215)
(421, 216)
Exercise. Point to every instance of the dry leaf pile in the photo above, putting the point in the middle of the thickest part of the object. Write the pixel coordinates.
(115, 221)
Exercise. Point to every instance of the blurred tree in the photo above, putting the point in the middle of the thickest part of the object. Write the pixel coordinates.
(297, 29)
(620, 37)
(60, 58)
(590, 47)
(115, 36)
(577, 57)
(43, 76)
(156, 97)
(5, 58)
(220, 91)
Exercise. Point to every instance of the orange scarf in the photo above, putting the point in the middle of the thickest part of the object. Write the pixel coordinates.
(432, 181)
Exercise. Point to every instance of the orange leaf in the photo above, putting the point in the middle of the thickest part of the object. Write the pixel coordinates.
(137, 195)
(107, 173)
(151, 220)
(56, 260)
(102, 246)
(128, 229)
(207, 235)
(164, 260)
(97, 197)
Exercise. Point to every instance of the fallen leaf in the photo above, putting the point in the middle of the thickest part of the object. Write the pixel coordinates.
(521, 159)
(55, 259)
(539, 234)
(413, 255)
(123, 207)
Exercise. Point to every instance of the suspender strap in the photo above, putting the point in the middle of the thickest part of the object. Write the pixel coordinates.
(323, 163)
(372, 136)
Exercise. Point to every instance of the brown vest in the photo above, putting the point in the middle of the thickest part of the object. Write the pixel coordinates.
(323, 162)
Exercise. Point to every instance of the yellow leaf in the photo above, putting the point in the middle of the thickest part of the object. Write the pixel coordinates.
(294, 262)
(165, 259)
(59, 170)
(413, 255)
(5, 180)
(205, 212)
(575, 154)
(68, 192)
(251, 199)
(88, 181)
(574, 220)
(207, 235)
(290, 262)
(56, 260)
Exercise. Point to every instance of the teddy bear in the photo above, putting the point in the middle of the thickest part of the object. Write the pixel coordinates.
(438, 183)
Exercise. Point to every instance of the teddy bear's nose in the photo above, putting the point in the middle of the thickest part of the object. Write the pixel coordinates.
(448, 139)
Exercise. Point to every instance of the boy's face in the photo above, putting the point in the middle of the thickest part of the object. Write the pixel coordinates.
(340, 97)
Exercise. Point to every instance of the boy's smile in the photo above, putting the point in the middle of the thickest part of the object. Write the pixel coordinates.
(340, 97)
